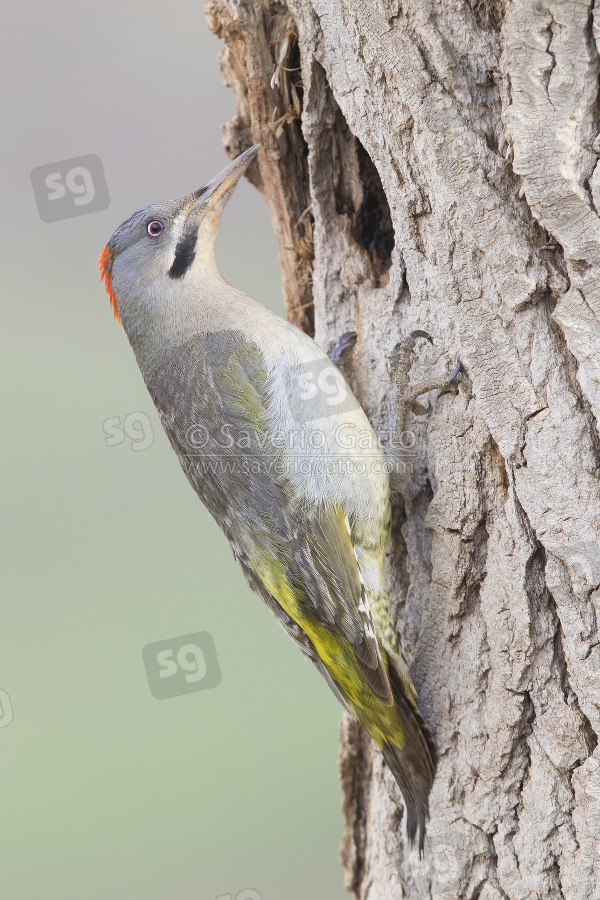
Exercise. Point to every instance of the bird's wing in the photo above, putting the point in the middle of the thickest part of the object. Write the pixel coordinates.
(322, 562)
(304, 558)
(307, 564)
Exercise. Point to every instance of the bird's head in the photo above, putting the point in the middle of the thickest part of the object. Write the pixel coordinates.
(160, 246)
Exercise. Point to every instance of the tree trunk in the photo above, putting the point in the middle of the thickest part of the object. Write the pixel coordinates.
(432, 165)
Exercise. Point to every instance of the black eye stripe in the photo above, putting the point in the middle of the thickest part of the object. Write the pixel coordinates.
(185, 253)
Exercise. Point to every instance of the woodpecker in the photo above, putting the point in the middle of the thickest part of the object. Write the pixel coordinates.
(279, 450)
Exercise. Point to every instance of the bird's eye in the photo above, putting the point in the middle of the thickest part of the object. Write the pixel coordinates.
(155, 227)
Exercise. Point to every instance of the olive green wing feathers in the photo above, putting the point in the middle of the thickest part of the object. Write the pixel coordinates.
(333, 592)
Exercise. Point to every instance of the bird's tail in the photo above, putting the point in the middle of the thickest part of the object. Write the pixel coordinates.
(413, 765)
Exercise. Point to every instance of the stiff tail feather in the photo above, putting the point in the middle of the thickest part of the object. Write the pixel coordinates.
(413, 765)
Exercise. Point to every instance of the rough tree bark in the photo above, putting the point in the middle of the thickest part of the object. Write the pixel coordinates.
(433, 165)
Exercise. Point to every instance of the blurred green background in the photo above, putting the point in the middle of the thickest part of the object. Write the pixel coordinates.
(106, 792)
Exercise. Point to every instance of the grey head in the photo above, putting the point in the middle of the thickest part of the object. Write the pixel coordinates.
(162, 245)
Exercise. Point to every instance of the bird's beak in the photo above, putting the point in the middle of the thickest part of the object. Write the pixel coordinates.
(202, 210)
(207, 197)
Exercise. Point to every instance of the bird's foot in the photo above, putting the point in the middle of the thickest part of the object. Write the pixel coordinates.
(345, 341)
(406, 393)
(406, 397)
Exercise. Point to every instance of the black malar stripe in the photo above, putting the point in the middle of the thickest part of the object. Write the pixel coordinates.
(185, 253)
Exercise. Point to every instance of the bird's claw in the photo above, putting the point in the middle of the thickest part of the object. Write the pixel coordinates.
(345, 341)
(454, 373)
(420, 333)
(403, 348)
(407, 393)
